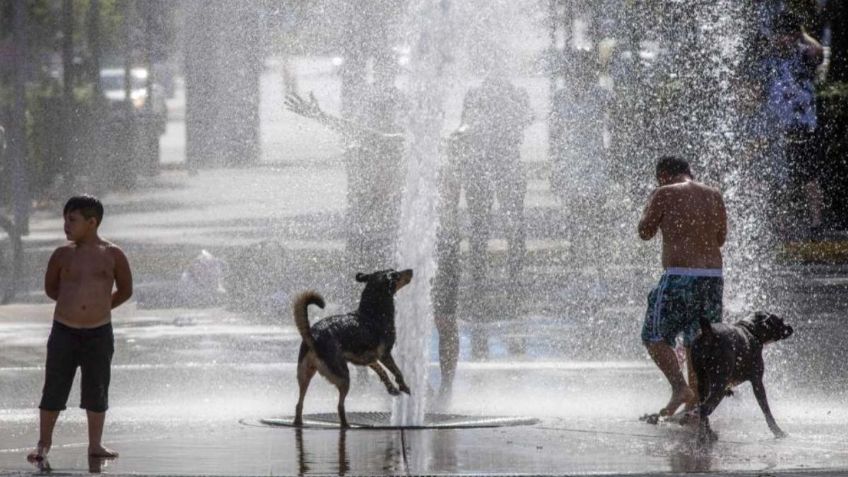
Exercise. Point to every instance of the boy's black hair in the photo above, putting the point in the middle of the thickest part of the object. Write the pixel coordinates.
(87, 205)
(673, 165)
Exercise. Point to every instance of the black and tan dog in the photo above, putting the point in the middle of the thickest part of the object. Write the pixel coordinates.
(364, 337)
(725, 355)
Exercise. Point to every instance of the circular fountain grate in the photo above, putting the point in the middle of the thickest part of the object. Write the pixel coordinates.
(383, 420)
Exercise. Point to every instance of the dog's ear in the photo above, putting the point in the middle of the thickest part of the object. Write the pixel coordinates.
(361, 277)
(760, 316)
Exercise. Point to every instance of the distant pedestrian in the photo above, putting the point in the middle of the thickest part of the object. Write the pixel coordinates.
(579, 165)
(445, 290)
(80, 277)
(791, 110)
(494, 117)
(577, 124)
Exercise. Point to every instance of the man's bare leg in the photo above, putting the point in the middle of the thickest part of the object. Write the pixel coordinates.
(95, 434)
(666, 359)
(693, 381)
(47, 421)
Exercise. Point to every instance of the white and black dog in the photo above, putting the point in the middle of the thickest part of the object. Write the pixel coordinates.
(364, 337)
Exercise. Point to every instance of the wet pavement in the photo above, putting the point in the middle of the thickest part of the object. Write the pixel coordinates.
(190, 388)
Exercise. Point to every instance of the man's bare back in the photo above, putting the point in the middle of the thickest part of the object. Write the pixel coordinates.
(80, 277)
(693, 221)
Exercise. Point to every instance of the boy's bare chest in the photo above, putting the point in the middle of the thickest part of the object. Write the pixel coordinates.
(87, 266)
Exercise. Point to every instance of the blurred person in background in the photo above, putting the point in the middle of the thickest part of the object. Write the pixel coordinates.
(488, 141)
(790, 108)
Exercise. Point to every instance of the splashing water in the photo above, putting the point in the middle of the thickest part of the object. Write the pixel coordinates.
(419, 213)
(703, 124)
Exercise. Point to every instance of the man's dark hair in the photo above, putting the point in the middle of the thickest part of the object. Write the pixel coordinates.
(87, 205)
(673, 166)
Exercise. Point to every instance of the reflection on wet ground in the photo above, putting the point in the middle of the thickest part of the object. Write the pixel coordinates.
(555, 446)
(191, 386)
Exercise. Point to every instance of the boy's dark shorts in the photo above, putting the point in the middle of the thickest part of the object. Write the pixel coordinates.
(91, 350)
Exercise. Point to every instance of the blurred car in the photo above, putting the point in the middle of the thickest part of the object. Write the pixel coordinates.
(112, 84)
(402, 55)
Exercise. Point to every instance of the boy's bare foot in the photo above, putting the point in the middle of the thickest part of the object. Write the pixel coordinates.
(678, 398)
(100, 451)
(39, 453)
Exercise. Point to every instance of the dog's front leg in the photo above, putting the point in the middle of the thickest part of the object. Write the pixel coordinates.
(343, 387)
(390, 386)
(760, 394)
(711, 394)
(389, 363)
(705, 433)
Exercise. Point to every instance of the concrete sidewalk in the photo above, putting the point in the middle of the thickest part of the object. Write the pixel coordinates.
(189, 388)
(190, 385)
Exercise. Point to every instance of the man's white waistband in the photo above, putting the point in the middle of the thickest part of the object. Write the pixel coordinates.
(694, 272)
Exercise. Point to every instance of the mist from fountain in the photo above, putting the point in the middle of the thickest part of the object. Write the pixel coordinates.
(429, 81)
(695, 67)
(656, 78)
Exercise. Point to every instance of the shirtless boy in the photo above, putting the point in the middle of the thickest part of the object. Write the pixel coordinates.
(693, 221)
(80, 277)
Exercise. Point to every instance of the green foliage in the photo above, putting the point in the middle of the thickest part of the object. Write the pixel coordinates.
(42, 34)
(61, 137)
(48, 127)
(834, 91)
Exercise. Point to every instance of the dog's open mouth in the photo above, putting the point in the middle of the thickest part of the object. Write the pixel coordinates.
(405, 276)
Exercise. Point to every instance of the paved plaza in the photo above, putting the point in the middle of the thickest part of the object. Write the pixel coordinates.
(192, 384)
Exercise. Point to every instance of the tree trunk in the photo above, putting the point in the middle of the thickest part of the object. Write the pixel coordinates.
(149, 128)
(838, 16)
(202, 83)
(223, 63)
(94, 46)
(67, 167)
(17, 128)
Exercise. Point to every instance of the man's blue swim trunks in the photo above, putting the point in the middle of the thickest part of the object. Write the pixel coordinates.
(674, 305)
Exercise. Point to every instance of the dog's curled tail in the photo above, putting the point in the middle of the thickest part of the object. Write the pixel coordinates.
(301, 315)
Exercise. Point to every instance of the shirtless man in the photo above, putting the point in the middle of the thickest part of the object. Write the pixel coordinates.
(693, 221)
(80, 277)
(376, 171)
